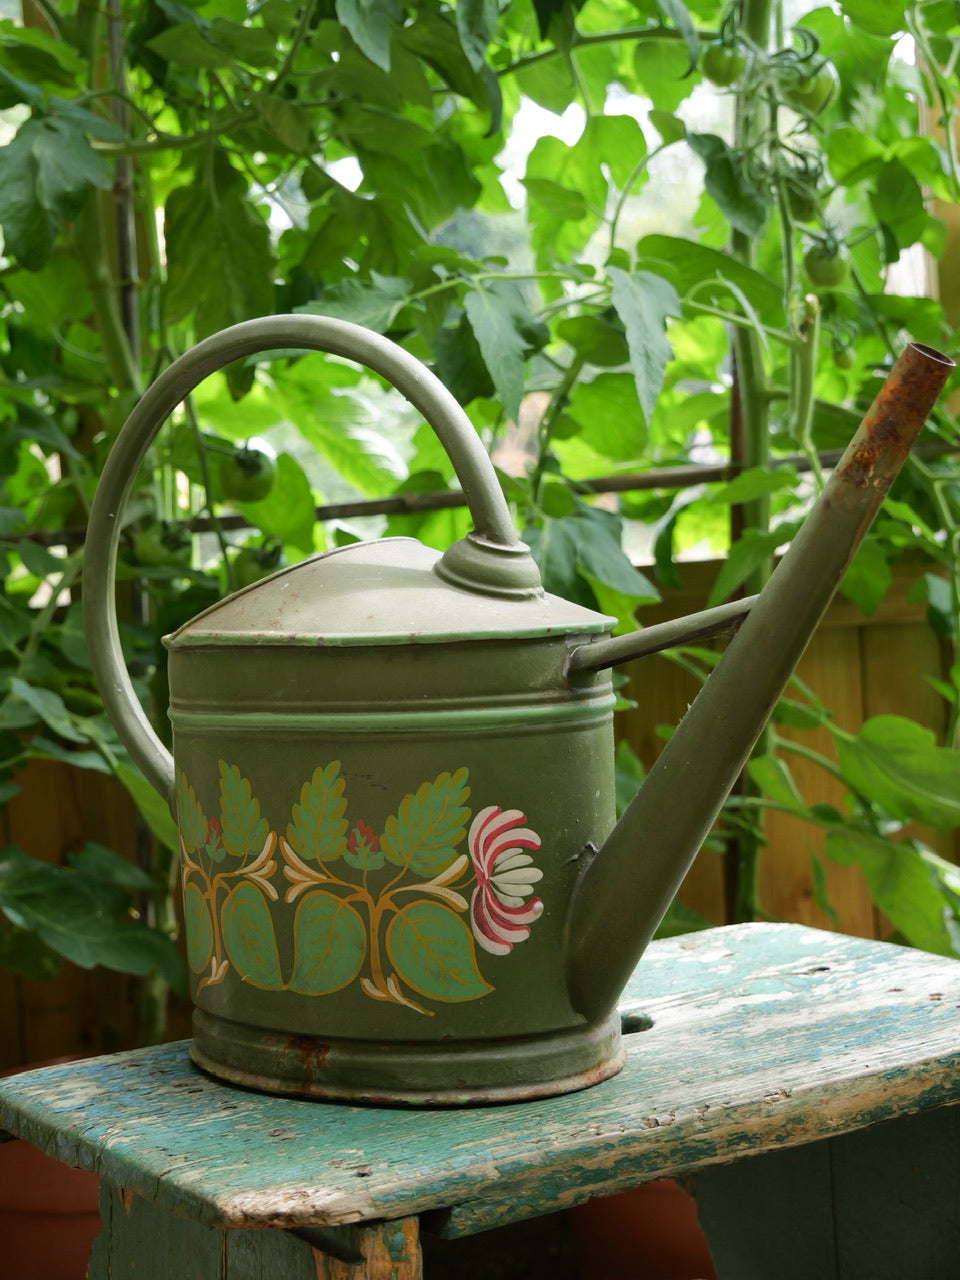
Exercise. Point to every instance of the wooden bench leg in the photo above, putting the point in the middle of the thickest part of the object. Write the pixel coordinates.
(141, 1242)
(879, 1204)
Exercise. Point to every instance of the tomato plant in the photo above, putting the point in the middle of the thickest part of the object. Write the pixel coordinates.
(248, 474)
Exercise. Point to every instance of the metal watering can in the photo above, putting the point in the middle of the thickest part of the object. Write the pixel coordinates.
(393, 771)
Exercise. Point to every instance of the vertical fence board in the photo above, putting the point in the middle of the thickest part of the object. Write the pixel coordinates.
(831, 667)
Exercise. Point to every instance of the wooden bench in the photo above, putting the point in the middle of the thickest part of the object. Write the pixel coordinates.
(806, 1078)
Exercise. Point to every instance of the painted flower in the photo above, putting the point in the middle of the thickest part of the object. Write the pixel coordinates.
(500, 913)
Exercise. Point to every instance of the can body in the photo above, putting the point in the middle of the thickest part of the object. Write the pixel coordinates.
(379, 846)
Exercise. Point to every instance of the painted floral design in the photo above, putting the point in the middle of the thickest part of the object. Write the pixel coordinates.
(500, 914)
(389, 909)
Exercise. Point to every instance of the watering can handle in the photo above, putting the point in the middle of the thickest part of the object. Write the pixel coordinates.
(491, 559)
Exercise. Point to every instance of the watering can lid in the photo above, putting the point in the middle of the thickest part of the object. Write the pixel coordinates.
(383, 592)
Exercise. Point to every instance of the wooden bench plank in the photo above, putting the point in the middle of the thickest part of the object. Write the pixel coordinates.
(763, 1037)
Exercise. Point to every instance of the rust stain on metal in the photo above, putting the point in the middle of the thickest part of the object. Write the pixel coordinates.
(895, 418)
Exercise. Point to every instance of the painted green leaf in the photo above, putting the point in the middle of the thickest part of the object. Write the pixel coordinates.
(199, 928)
(897, 763)
(330, 941)
(318, 830)
(190, 816)
(432, 950)
(643, 300)
(244, 830)
(429, 825)
(249, 937)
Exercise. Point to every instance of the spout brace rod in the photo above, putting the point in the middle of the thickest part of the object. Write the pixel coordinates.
(664, 635)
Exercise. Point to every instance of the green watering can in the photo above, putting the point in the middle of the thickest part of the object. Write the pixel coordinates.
(393, 771)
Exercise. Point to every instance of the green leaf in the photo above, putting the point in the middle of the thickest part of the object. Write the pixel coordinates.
(596, 340)
(198, 926)
(428, 825)
(318, 830)
(23, 953)
(186, 45)
(151, 806)
(675, 11)
(904, 884)
(477, 24)
(255, 46)
(220, 264)
(45, 174)
(670, 127)
(244, 830)
(746, 555)
(330, 945)
(77, 918)
(775, 780)
(289, 122)
(643, 301)
(289, 513)
(879, 17)
(896, 763)
(370, 23)
(96, 862)
(495, 316)
(432, 951)
(373, 303)
(853, 154)
(691, 265)
(868, 578)
(190, 816)
(756, 482)
(629, 773)
(49, 707)
(249, 938)
(741, 200)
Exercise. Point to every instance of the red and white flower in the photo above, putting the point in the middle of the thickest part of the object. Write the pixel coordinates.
(500, 913)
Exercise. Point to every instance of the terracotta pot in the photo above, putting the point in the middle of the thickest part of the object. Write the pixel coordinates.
(49, 1213)
(650, 1233)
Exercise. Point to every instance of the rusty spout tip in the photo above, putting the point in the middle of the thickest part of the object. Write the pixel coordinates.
(932, 354)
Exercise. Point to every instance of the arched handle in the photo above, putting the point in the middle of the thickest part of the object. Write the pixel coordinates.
(491, 559)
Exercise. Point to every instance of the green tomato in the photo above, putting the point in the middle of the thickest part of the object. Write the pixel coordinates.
(723, 64)
(248, 475)
(825, 269)
(162, 545)
(808, 94)
(802, 203)
(844, 357)
(253, 563)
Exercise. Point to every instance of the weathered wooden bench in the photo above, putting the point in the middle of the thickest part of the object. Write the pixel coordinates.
(806, 1078)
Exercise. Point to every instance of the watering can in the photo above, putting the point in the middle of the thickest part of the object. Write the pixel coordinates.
(393, 771)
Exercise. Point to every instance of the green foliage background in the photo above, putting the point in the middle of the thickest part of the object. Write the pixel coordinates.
(169, 168)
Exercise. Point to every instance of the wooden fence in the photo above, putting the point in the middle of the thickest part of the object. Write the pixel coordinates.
(858, 666)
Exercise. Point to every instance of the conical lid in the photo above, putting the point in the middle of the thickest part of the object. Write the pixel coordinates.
(374, 593)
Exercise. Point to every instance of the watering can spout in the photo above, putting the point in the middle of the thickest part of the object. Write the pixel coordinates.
(625, 890)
